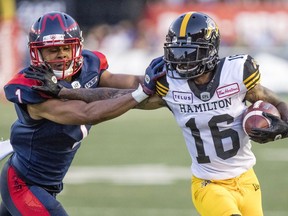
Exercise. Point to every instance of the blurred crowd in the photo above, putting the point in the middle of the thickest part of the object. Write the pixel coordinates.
(123, 36)
(131, 33)
(121, 26)
(126, 35)
(215, 1)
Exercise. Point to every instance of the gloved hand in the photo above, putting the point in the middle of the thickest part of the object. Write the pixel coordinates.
(277, 130)
(45, 75)
(152, 73)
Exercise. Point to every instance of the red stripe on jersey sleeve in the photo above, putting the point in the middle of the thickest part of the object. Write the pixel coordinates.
(21, 80)
(103, 60)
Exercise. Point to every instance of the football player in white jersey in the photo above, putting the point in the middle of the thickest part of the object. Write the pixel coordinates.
(208, 97)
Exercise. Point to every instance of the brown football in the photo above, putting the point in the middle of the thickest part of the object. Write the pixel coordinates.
(253, 117)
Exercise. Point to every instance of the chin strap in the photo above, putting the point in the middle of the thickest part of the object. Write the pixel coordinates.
(61, 75)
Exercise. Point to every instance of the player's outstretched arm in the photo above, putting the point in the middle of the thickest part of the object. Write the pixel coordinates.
(76, 112)
(50, 86)
(90, 95)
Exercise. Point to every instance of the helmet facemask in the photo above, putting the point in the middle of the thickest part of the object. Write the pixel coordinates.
(70, 66)
(189, 60)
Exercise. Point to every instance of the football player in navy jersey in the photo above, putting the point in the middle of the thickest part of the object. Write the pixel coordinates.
(208, 96)
(48, 131)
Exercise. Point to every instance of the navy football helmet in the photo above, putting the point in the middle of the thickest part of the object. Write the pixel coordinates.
(192, 45)
(56, 29)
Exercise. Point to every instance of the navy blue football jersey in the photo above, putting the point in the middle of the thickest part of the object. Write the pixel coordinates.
(44, 150)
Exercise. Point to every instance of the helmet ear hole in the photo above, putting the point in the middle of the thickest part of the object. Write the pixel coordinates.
(193, 39)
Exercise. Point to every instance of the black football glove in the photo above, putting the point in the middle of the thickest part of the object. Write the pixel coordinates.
(277, 130)
(152, 73)
(45, 75)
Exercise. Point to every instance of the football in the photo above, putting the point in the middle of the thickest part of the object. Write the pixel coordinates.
(253, 117)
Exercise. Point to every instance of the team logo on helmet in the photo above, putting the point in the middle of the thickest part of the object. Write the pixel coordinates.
(211, 27)
(53, 37)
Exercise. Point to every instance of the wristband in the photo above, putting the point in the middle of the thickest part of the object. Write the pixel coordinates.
(139, 94)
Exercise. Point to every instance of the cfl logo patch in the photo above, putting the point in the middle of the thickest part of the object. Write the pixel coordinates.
(75, 85)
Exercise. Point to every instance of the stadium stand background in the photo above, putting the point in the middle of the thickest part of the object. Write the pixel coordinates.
(130, 33)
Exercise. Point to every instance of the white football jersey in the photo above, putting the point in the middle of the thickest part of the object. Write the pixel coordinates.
(211, 120)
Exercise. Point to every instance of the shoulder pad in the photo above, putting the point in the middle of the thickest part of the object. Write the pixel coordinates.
(95, 61)
(251, 74)
(103, 60)
(18, 90)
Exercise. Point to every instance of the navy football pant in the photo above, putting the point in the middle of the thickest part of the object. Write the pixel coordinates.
(21, 199)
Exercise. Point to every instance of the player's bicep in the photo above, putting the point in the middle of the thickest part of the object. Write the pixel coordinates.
(59, 111)
(255, 93)
(122, 81)
(260, 92)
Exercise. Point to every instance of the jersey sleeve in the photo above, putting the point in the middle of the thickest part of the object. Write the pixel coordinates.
(251, 74)
(18, 90)
(103, 61)
(162, 86)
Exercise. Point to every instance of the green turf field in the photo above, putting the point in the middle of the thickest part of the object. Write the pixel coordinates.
(137, 165)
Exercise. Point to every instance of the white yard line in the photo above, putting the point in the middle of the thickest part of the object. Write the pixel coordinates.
(150, 174)
(114, 211)
(129, 174)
